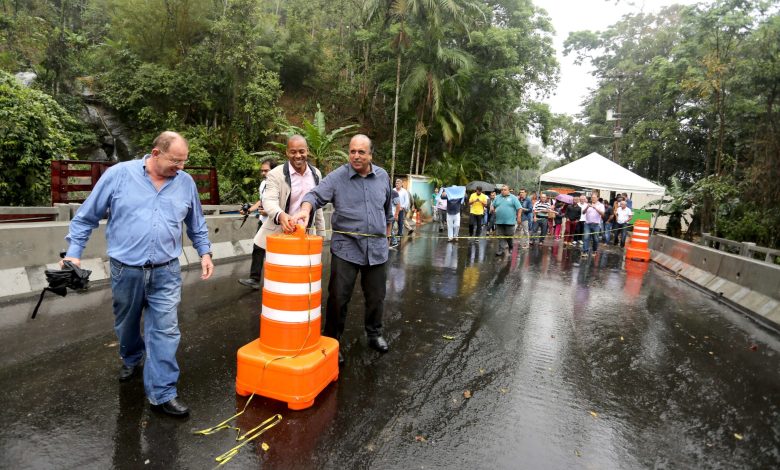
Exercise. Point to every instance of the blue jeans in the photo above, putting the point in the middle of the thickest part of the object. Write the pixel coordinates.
(156, 293)
(591, 233)
(607, 231)
(401, 218)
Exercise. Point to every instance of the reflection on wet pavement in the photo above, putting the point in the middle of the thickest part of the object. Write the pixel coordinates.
(537, 359)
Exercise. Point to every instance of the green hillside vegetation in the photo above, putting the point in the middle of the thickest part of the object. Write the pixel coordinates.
(453, 89)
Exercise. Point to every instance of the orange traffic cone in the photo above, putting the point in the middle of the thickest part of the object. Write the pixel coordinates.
(637, 247)
(290, 361)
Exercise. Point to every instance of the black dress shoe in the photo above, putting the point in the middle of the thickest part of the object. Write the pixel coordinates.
(341, 359)
(128, 372)
(378, 343)
(173, 407)
(254, 284)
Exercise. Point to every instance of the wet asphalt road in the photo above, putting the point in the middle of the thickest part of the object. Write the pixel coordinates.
(568, 364)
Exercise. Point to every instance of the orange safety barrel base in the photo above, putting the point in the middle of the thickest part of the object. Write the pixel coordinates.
(294, 380)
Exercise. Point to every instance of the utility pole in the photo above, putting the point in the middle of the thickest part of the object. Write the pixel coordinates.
(617, 132)
(617, 116)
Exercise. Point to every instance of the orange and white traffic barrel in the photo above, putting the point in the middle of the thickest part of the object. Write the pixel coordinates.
(638, 245)
(290, 361)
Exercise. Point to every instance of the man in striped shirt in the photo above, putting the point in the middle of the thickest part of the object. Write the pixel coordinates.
(541, 208)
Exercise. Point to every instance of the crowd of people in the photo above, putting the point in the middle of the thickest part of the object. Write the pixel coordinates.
(582, 223)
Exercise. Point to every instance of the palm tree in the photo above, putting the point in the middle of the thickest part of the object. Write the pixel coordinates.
(426, 15)
(433, 83)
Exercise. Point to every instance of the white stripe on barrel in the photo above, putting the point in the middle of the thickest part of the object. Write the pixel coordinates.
(293, 260)
(291, 288)
(287, 316)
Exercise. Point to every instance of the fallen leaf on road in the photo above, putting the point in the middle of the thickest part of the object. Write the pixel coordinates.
(448, 337)
(503, 390)
(264, 446)
(621, 338)
(420, 439)
(712, 353)
(577, 453)
(594, 414)
(738, 436)
(467, 394)
(481, 371)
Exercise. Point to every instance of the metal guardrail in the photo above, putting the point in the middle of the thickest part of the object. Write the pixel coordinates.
(745, 249)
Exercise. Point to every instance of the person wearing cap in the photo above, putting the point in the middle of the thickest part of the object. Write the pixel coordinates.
(149, 200)
(362, 222)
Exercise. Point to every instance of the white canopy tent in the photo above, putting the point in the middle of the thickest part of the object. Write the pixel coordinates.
(598, 172)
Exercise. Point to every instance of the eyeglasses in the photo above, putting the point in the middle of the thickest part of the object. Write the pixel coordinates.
(176, 162)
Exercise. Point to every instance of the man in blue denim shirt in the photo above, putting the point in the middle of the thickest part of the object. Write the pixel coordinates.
(362, 220)
(148, 200)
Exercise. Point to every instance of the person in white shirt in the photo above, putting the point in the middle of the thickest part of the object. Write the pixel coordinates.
(581, 224)
(441, 209)
(406, 202)
(623, 217)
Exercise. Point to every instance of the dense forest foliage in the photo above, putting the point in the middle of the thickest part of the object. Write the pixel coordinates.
(698, 89)
(453, 89)
(467, 75)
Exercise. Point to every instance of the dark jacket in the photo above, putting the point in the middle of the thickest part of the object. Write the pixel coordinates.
(573, 212)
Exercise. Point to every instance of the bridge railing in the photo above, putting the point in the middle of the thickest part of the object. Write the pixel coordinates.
(73, 180)
(746, 249)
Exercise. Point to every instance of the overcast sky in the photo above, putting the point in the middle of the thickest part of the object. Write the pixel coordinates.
(593, 15)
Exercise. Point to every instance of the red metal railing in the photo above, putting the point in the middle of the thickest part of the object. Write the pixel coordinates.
(72, 180)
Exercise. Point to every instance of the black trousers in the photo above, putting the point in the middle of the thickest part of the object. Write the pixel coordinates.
(475, 225)
(343, 275)
(258, 258)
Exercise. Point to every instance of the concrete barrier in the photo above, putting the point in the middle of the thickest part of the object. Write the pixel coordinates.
(28, 249)
(747, 285)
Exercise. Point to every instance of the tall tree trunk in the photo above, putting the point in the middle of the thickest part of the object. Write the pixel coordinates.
(417, 159)
(411, 158)
(425, 156)
(395, 111)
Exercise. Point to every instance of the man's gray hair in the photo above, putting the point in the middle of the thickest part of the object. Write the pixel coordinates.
(165, 139)
(363, 136)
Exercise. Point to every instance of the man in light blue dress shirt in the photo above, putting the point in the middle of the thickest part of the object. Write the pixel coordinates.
(362, 221)
(147, 200)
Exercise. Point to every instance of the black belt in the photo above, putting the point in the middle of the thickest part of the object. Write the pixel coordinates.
(150, 265)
